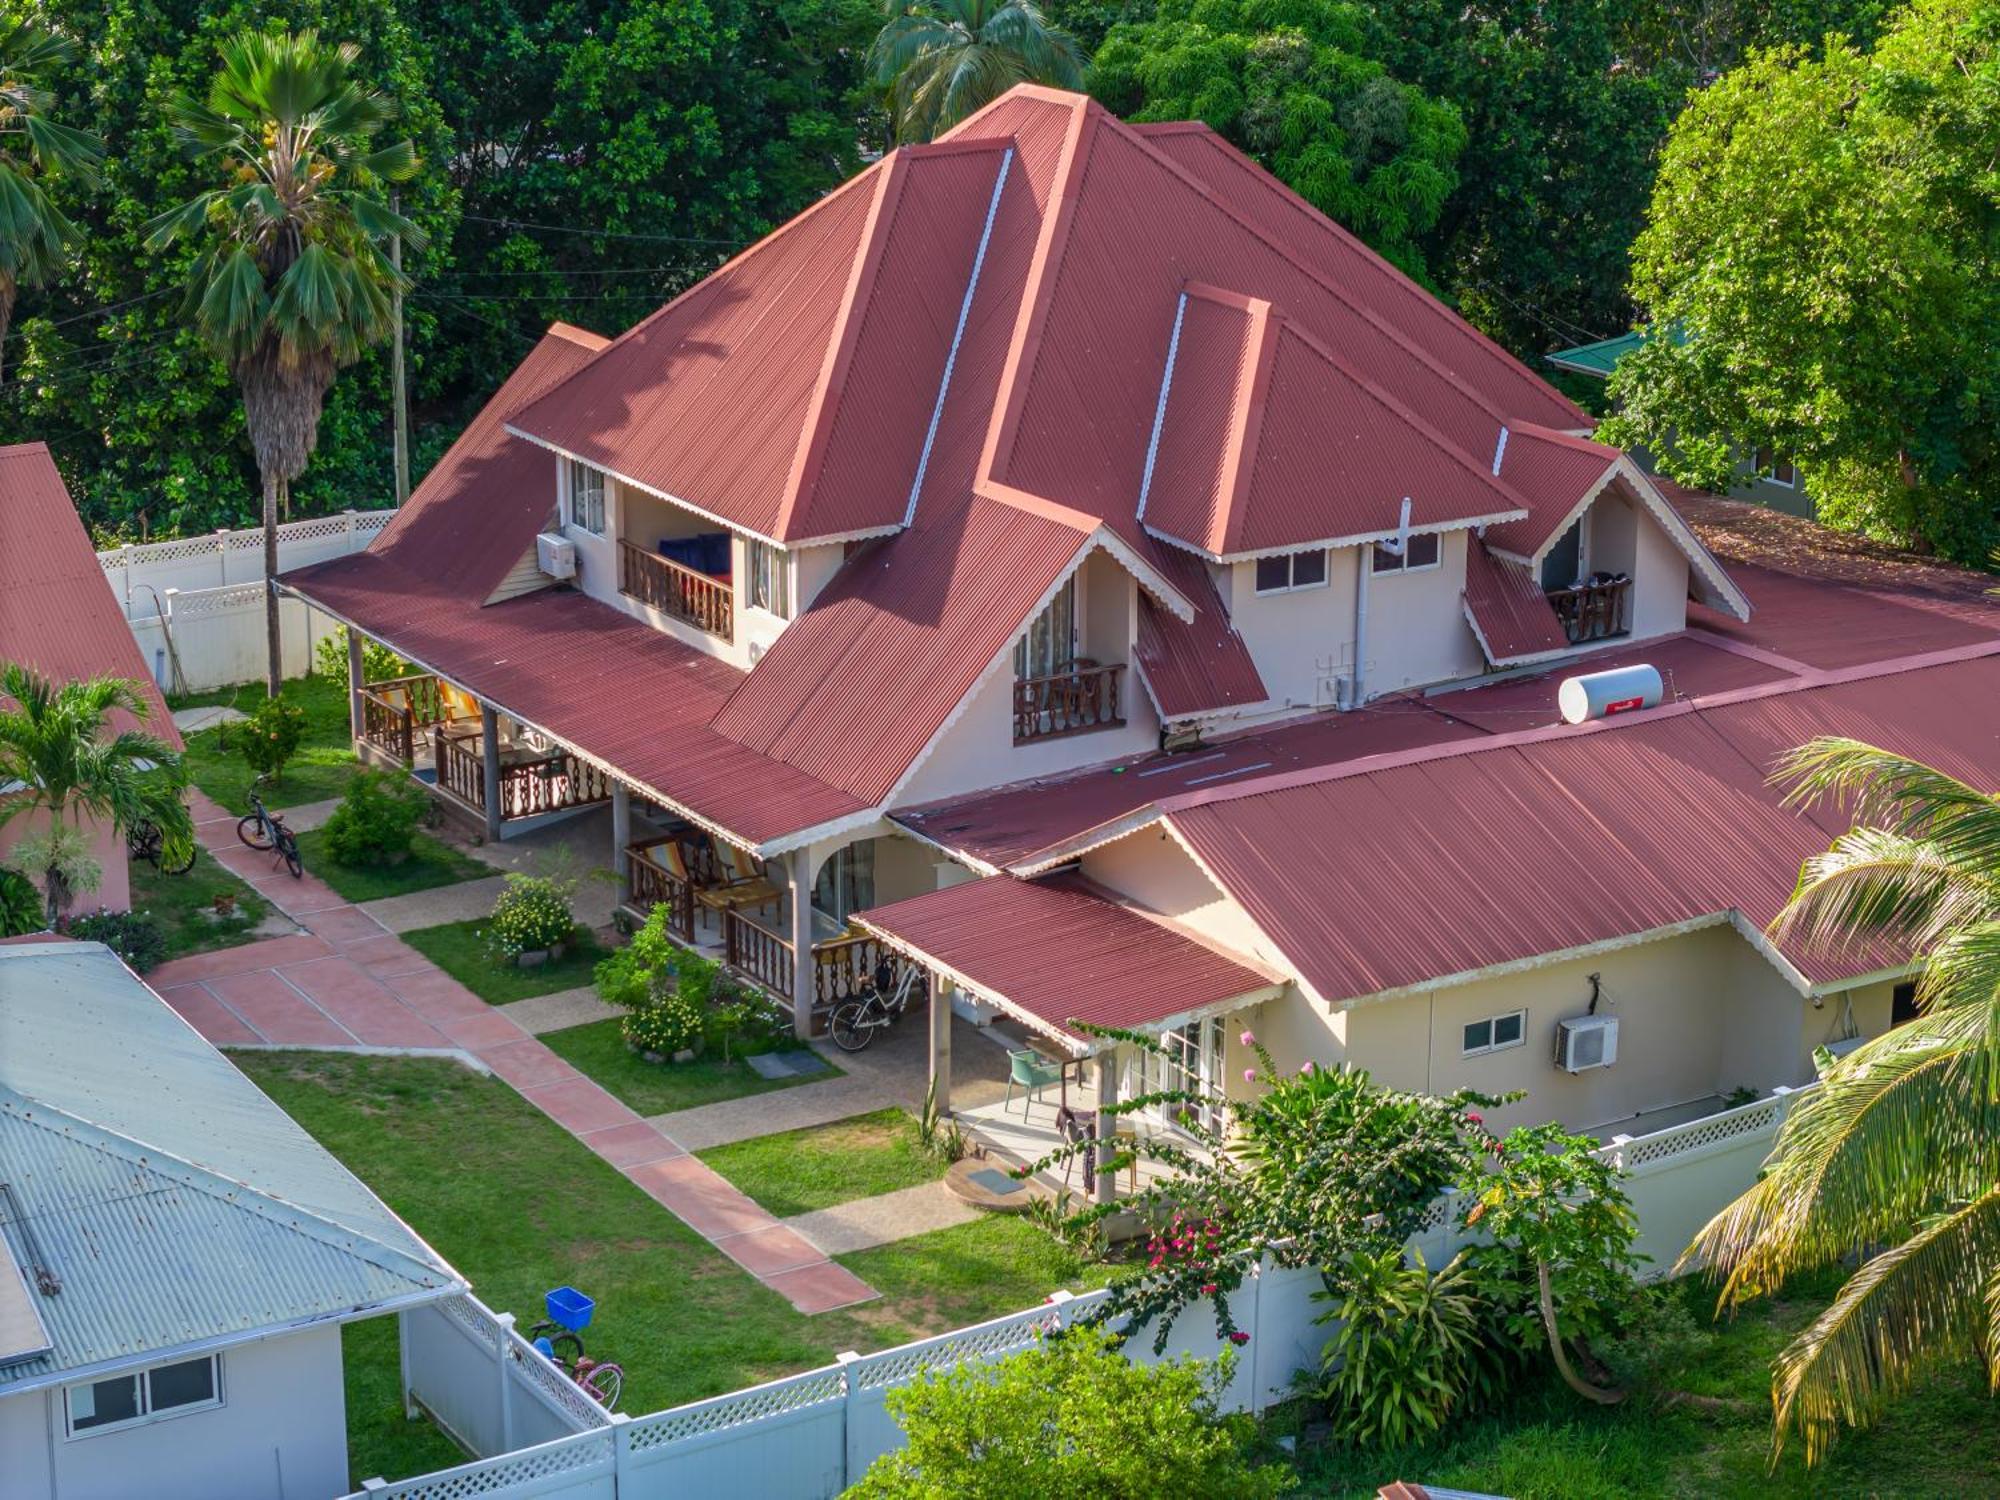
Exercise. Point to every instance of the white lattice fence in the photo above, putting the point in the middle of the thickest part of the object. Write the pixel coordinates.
(219, 558)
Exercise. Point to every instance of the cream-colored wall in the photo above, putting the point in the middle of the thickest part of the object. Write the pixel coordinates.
(1417, 633)
(1620, 537)
(114, 890)
(1302, 641)
(1150, 868)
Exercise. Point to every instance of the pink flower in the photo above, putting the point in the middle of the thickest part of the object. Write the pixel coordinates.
(1239, 1338)
(1208, 1289)
(1249, 1075)
(1474, 1117)
(1248, 1038)
(1305, 1067)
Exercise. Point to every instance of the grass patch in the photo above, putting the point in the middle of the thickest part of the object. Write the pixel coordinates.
(458, 949)
(519, 1206)
(1547, 1443)
(184, 906)
(322, 768)
(432, 863)
(381, 1441)
(597, 1048)
(800, 1170)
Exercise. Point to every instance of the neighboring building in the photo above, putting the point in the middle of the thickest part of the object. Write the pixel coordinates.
(59, 616)
(177, 1256)
(900, 553)
(1764, 476)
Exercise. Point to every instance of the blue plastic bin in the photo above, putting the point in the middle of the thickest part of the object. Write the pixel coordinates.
(570, 1308)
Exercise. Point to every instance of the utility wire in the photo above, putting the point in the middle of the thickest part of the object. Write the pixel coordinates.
(604, 234)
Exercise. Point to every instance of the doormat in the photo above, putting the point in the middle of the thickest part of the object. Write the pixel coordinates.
(799, 1064)
(995, 1181)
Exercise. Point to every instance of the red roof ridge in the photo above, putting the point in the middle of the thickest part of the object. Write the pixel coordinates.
(1576, 440)
(8, 450)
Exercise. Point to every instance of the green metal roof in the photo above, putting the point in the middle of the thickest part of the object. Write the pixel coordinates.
(178, 1205)
(1598, 358)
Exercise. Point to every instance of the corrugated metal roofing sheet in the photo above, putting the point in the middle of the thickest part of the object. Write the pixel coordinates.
(1059, 951)
(1510, 614)
(1199, 666)
(1554, 471)
(175, 1201)
(57, 612)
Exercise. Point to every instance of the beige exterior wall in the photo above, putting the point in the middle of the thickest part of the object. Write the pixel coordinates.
(1620, 537)
(1150, 868)
(114, 890)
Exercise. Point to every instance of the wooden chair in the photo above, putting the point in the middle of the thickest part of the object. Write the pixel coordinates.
(743, 883)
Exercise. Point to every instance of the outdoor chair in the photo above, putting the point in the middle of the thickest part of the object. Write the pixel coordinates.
(743, 884)
(1029, 1071)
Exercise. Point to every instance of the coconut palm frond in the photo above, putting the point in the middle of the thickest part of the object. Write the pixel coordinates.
(1903, 1312)
(1880, 883)
(943, 60)
(1904, 795)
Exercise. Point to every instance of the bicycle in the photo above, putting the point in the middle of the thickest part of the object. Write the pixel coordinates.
(263, 830)
(145, 841)
(559, 1339)
(854, 1024)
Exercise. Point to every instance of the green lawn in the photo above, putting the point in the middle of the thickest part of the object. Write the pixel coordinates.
(1549, 1445)
(321, 769)
(381, 1441)
(801, 1170)
(432, 863)
(458, 949)
(598, 1049)
(519, 1206)
(184, 906)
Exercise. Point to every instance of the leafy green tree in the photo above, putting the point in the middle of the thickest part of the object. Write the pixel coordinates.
(1697, 39)
(1900, 1145)
(1073, 1420)
(36, 237)
(941, 60)
(1297, 85)
(291, 282)
(1826, 233)
(56, 741)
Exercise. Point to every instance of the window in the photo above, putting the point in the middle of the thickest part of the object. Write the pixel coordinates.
(1049, 647)
(125, 1400)
(1903, 1004)
(586, 497)
(1496, 1033)
(1775, 469)
(846, 882)
(1419, 552)
(769, 588)
(1294, 570)
(1192, 1063)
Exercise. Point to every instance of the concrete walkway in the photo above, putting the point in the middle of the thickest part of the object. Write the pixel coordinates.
(865, 1223)
(540, 1014)
(345, 981)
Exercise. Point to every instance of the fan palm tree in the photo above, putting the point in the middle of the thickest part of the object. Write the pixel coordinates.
(1900, 1146)
(290, 282)
(57, 750)
(941, 60)
(35, 237)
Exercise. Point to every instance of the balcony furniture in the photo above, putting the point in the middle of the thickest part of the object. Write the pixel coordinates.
(1030, 1072)
(677, 591)
(1596, 609)
(657, 875)
(1076, 701)
(743, 883)
(394, 709)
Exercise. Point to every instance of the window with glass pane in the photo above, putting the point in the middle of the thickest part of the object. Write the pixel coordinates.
(768, 585)
(1294, 570)
(1191, 1063)
(1049, 647)
(1419, 552)
(187, 1384)
(104, 1402)
(846, 883)
(125, 1399)
(1494, 1032)
(586, 497)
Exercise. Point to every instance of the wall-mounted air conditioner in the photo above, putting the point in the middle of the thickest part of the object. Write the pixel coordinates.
(1586, 1042)
(555, 555)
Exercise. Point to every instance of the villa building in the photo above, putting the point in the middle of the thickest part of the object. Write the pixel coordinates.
(1063, 559)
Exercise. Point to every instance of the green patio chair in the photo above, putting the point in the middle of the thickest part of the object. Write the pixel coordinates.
(1029, 1071)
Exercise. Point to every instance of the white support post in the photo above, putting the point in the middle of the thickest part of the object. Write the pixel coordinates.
(1618, 1145)
(804, 989)
(850, 1366)
(502, 1355)
(489, 766)
(355, 677)
(410, 1412)
(621, 1450)
(221, 556)
(621, 835)
(1107, 1123)
(940, 1080)
(1060, 1300)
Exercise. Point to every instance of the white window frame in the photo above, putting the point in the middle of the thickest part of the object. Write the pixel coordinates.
(1400, 563)
(1200, 1074)
(1765, 464)
(573, 468)
(1291, 562)
(774, 585)
(1489, 1022)
(146, 1414)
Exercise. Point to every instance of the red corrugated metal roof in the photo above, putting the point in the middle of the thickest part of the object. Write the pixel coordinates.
(1194, 667)
(1059, 951)
(1511, 616)
(479, 508)
(1556, 471)
(57, 612)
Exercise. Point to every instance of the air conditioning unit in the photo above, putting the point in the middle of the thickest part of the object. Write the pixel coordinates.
(555, 555)
(1586, 1042)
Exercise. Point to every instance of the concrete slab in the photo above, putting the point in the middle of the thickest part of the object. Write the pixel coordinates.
(239, 960)
(467, 901)
(767, 1252)
(278, 1012)
(526, 1064)
(821, 1288)
(579, 1105)
(540, 1014)
(767, 1114)
(196, 1004)
(630, 1145)
(868, 1222)
(194, 720)
(700, 1197)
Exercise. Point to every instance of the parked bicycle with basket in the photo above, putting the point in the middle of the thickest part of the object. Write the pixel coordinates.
(889, 992)
(559, 1339)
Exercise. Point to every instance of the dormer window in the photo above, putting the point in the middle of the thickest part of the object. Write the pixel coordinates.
(586, 497)
(1419, 552)
(1291, 570)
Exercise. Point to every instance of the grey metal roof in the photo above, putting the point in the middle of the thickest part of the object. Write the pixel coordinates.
(176, 1202)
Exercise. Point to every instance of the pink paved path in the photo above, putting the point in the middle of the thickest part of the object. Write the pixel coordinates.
(349, 982)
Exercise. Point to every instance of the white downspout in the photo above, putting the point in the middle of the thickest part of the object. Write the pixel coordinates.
(1364, 564)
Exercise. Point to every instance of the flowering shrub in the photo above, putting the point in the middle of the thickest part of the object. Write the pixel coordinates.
(133, 935)
(532, 913)
(375, 821)
(667, 1023)
(272, 735)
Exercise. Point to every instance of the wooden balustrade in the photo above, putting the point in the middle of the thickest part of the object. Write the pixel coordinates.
(653, 884)
(422, 693)
(758, 954)
(461, 769)
(559, 781)
(388, 726)
(1073, 702)
(844, 966)
(1593, 611)
(707, 603)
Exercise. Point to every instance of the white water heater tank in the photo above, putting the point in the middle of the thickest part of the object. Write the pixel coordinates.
(1598, 695)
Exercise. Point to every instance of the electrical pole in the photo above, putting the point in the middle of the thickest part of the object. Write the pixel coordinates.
(398, 385)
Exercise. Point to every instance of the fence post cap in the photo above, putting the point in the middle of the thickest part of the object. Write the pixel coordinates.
(1059, 1296)
(848, 1357)
(1782, 1090)
(1620, 1140)
(370, 1486)
(505, 1319)
(620, 1418)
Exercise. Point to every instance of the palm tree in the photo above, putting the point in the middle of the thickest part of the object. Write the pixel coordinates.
(941, 60)
(1900, 1146)
(35, 237)
(290, 282)
(56, 749)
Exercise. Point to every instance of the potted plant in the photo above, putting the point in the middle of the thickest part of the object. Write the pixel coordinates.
(532, 923)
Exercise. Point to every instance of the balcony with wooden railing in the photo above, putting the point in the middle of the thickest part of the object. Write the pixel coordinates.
(681, 593)
(653, 879)
(1078, 701)
(395, 709)
(842, 966)
(531, 783)
(1597, 611)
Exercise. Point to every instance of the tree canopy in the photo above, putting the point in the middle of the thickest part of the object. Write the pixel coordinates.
(1824, 238)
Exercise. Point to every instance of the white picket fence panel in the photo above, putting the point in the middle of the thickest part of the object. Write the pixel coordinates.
(218, 558)
(808, 1436)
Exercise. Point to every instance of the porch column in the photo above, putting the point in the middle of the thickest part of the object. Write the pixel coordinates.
(621, 835)
(803, 988)
(1107, 1123)
(940, 1081)
(489, 765)
(354, 682)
